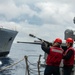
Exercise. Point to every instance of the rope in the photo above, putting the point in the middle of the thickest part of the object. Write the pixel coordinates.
(11, 65)
(34, 64)
(30, 70)
(33, 70)
(33, 73)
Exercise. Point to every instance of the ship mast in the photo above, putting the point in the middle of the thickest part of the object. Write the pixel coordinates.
(74, 20)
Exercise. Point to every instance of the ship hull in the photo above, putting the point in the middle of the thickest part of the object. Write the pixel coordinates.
(4, 54)
(7, 37)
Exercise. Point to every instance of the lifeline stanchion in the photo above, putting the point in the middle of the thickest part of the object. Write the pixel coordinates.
(38, 65)
(27, 66)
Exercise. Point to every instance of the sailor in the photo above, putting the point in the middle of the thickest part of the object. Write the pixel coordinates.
(55, 54)
(68, 57)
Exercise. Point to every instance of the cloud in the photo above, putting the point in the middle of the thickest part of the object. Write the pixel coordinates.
(10, 10)
(39, 13)
(45, 19)
(55, 12)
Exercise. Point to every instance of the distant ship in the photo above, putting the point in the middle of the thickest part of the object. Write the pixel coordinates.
(7, 37)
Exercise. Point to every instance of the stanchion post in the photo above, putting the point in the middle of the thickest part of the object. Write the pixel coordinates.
(38, 65)
(27, 66)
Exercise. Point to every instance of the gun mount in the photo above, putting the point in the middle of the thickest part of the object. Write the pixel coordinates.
(69, 34)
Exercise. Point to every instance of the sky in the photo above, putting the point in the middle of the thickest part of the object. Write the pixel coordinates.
(46, 19)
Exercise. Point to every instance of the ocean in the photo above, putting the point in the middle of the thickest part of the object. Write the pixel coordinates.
(15, 63)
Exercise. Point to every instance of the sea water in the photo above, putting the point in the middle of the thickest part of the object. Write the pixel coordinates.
(17, 53)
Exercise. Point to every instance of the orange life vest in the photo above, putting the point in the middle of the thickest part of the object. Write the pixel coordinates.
(55, 56)
(71, 60)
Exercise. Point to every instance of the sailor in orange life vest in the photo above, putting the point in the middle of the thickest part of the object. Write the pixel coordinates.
(68, 57)
(55, 54)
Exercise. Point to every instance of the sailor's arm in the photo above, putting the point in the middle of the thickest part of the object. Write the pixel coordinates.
(45, 48)
(68, 55)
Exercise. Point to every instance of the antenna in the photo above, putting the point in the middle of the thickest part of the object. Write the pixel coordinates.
(74, 20)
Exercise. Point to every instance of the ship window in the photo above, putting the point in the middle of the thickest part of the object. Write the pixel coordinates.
(10, 39)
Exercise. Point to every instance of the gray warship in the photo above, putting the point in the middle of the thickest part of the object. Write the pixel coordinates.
(7, 37)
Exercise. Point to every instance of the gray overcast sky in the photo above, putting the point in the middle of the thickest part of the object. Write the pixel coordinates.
(47, 19)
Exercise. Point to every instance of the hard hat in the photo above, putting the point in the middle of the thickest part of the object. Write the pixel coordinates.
(58, 40)
(69, 40)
